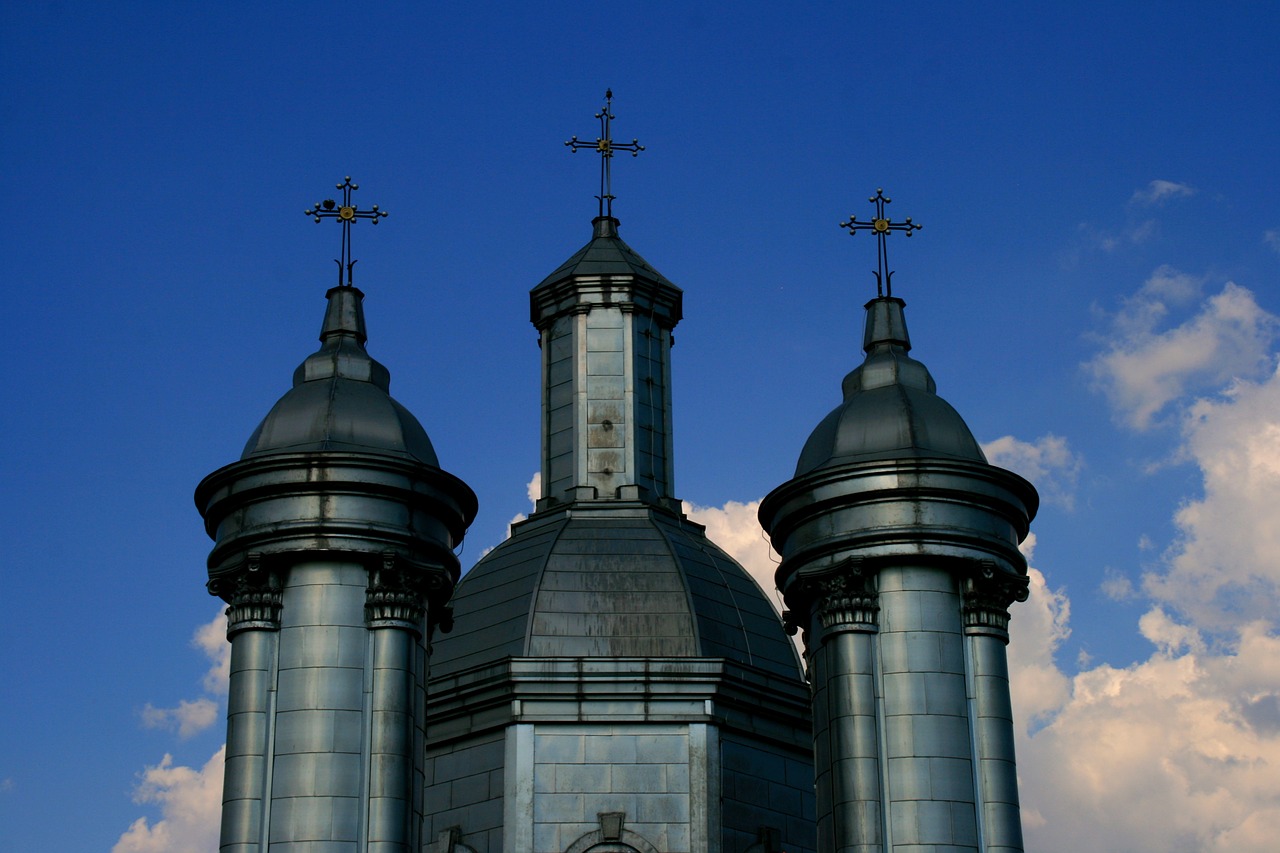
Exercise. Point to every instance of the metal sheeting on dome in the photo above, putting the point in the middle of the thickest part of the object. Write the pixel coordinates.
(626, 582)
(340, 400)
(891, 409)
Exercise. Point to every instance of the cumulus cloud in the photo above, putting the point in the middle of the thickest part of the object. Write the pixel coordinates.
(1225, 566)
(1161, 755)
(1158, 192)
(190, 799)
(211, 638)
(1051, 466)
(192, 716)
(1144, 367)
(1117, 586)
(1178, 751)
(188, 718)
(190, 802)
(1037, 628)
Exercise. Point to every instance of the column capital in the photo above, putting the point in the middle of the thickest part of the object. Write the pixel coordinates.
(988, 593)
(403, 592)
(254, 597)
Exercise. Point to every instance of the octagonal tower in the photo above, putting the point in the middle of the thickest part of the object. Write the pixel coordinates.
(614, 681)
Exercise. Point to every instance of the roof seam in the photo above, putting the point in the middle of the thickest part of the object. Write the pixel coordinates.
(684, 582)
(537, 584)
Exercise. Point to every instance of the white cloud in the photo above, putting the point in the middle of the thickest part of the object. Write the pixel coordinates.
(1161, 755)
(1144, 369)
(1179, 751)
(192, 716)
(1117, 586)
(1037, 627)
(190, 802)
(1225, 566)
(1158, 192)
(188, 718)
(211, 638)
(534, 490)
(1050, 465)
(1110, 241)
(1272, 238)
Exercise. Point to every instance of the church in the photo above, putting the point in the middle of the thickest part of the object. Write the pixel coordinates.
(608, 680)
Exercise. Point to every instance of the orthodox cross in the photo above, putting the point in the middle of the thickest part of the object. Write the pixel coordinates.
(346, 213)
(881, 227)
(606, 146)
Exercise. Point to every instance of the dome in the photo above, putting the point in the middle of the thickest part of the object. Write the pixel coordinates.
(891, 409)
(633, 581)
(340, 399)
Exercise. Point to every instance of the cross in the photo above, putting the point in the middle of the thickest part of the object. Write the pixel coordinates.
(346, 213)
(881, 227)
(606, 146)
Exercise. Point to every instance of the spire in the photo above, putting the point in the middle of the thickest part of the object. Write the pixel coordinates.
(605, 145)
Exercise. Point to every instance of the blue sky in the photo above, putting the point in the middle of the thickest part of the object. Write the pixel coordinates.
(1094, 290)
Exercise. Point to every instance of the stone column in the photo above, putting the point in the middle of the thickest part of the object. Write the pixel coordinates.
(986, 621)
(395, 608)
(253, 624)
(841, 647)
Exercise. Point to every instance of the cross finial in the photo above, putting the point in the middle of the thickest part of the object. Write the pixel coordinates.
(346, 213)
(881, 227)
(606, 146)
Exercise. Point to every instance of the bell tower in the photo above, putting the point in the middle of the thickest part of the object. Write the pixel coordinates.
(900, 559)
(334, 538)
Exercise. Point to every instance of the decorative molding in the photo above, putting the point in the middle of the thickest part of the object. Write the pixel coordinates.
(848, 599)
(612, 837)
(256, 598)
(395, 597)
(988, 593)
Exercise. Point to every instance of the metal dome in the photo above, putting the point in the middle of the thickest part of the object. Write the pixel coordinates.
(615, 581)
(891, 409)
(340, 399)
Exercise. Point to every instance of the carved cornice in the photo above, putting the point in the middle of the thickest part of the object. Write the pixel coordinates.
(255, 598)
(988, 593)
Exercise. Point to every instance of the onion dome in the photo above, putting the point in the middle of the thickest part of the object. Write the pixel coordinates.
(337, 466)
(894, 473)
(340, 399)
(891, 408)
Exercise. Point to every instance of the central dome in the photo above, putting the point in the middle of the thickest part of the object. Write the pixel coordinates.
(633, 581)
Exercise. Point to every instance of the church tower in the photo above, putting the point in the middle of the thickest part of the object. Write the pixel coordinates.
(334, 539)
(614, 681)
(900, 559)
